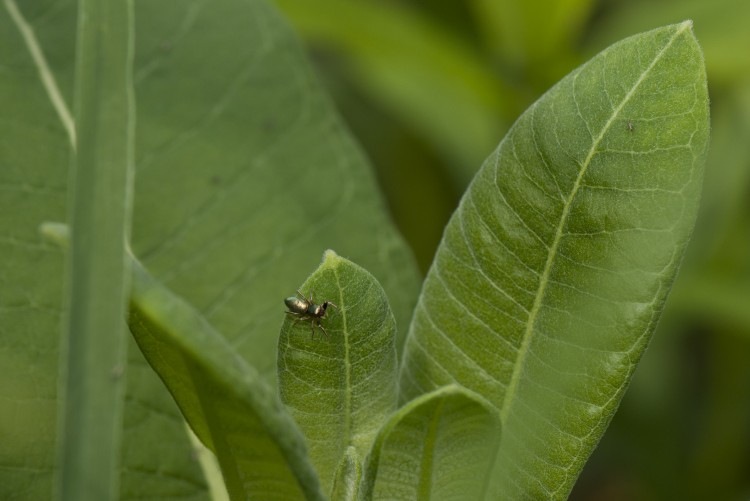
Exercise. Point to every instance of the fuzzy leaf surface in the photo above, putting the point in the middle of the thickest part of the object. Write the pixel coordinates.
(553, 271)
(346, 484)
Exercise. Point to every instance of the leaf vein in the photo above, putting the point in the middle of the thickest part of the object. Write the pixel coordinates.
(545, 278)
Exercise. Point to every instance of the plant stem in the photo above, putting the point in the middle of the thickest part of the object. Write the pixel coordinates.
(93, 351)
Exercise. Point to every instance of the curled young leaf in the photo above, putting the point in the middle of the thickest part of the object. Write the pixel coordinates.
(438, 446)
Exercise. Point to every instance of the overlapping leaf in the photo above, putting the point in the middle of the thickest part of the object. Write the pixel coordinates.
(260, 449)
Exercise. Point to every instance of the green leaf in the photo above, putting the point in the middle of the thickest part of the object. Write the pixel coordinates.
(91, 403)
(554, 270)
(225, 211)
(246, 174)
(32, 189)
(341, 387)
(260, 450)
(438, 446)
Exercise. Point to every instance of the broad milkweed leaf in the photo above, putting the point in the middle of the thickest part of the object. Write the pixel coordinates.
(246, 174)
(439, 446)
(554, 269)
(229, 407)
(340, 387)
(225, 211)
(33, 182)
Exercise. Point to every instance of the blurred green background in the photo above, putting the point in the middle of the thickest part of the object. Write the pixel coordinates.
(430, 87)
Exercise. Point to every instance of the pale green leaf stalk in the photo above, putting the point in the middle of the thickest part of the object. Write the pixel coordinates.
(341, 386)
(439, 446)
(260, 450)
(346, 484)
(92, 386)
(553, 271)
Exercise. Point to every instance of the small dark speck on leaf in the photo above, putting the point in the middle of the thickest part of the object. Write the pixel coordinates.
(216, 180)
(269, 125)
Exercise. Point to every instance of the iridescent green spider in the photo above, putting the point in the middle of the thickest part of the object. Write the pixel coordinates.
(305, 309)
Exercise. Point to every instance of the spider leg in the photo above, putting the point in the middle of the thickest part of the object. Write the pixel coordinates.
(297, 317)
(312, 329)
(334, 307)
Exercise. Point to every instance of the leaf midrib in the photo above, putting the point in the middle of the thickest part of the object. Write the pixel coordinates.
(424, 489)
(543, 282)
(347, 432)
